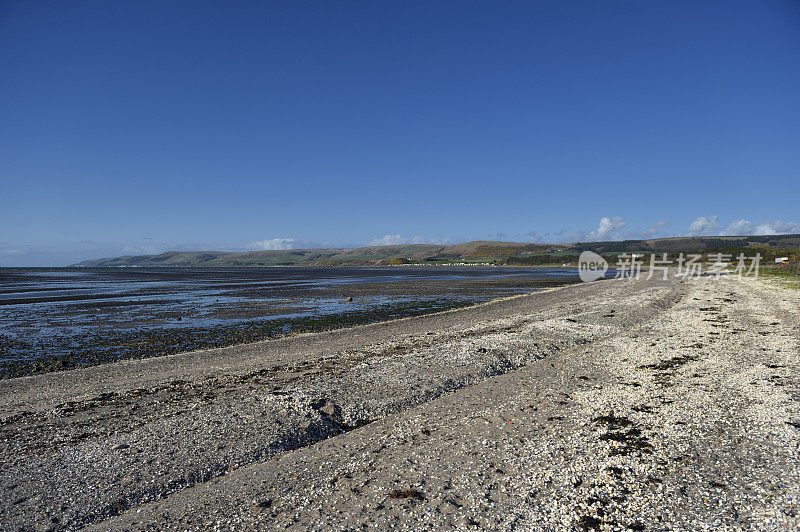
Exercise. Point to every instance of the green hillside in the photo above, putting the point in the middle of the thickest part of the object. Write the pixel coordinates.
(479, 251)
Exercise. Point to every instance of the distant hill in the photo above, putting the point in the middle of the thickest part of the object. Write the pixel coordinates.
(478, 251)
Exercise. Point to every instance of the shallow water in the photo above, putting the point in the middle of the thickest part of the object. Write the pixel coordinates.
(63, 312)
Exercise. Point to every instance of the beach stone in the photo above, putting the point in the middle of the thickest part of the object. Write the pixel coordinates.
(512, 435)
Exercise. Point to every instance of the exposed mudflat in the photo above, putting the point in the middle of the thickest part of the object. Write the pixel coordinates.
(62, 318)
(616, 405)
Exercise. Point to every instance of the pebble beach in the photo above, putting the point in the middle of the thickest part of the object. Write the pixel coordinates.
(615, 405)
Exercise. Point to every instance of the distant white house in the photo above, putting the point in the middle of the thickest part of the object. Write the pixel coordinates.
(781, 260)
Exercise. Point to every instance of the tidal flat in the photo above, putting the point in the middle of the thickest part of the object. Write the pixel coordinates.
(57, 319)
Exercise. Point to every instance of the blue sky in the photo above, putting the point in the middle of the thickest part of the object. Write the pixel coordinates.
(134, 127)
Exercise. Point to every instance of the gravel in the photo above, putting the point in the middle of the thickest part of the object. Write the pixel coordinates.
(610, 406)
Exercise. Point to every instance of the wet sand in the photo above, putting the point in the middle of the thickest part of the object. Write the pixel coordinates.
(53, 320)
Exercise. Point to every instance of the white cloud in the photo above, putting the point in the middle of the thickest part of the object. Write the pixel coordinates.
(547, 238)
(144, 250)
(389, 240)
(274, 243)
(654, 231)
(607, 226)
(607, 229)
(746, 227)
(396, 240)
(537, 237)
(657, 227)
(785, 228)
(742, 227)
(703, 226)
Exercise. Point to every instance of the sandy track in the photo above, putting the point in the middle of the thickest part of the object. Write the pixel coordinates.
(617, 404)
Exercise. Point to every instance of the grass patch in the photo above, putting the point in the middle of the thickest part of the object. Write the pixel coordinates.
(782, 278)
